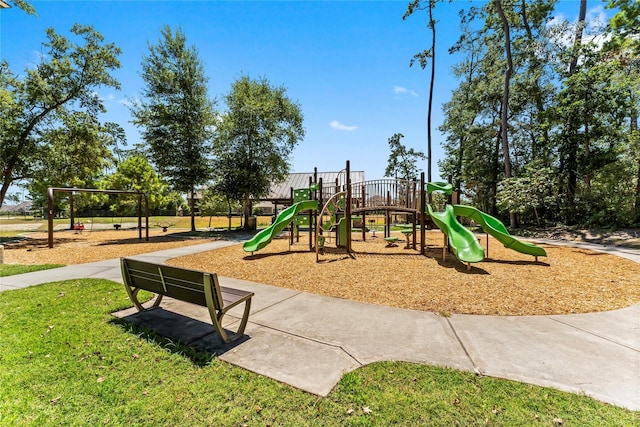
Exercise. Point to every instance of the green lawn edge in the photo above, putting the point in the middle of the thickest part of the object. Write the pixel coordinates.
(13, 269)
(66, 361)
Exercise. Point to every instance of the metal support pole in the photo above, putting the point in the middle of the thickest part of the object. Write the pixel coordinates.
(348, 208)
(50, 215)
(421, 211)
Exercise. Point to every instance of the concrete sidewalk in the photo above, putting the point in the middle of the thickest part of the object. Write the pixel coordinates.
(310, 341)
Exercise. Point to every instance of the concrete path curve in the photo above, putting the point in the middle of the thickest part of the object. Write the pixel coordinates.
(310, 341)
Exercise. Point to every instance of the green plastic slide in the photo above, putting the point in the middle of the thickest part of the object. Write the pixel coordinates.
(444, 187)
(496, 228)
(462, 241)
(263, 237)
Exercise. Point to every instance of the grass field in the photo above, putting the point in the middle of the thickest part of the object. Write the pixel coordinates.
(11, 269)
(66, 361)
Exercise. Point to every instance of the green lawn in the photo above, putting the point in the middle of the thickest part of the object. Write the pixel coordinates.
(11, 269)
(64, 360)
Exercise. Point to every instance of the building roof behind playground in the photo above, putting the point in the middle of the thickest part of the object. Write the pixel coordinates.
(281, 192)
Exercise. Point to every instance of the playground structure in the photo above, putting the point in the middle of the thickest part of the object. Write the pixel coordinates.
(78, 228)
(336, 207)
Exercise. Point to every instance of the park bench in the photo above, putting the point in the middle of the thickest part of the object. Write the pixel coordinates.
(196, 287)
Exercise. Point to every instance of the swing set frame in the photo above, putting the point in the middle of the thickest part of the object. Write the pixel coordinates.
(141, 195)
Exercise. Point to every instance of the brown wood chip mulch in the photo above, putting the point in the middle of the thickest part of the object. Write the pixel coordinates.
(569, 280)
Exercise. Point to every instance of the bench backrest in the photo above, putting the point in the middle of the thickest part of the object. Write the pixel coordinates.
(179, 283)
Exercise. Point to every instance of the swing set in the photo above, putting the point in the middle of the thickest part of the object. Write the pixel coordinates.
(52, 190)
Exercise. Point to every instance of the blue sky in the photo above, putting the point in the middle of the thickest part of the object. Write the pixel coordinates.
(345, 63)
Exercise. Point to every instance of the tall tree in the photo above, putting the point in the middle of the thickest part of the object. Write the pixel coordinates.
(176, 114)
(624, 27)
(255, 138)
(572, 113)
(64, 83)
(402, 161)
(569, 147)
(422, 58)
(504, 108)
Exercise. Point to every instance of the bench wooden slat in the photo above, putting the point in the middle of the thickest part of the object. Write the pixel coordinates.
(193, 286)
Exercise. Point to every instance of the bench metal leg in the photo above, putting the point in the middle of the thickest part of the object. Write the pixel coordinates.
(216, 319)
(133, 296)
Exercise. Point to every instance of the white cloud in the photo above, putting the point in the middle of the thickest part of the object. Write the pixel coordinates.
(595, 23)
(339, 126)
(125, 102)
(108, 98)
(403, 90)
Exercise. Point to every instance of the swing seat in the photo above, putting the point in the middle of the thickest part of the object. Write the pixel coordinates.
(391, 242)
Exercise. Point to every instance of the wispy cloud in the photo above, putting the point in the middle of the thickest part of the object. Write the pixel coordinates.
(565, 29)
(108, 98)
(339, 126)
(399, 90)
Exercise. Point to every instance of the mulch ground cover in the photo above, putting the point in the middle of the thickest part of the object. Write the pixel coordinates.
(569, 280)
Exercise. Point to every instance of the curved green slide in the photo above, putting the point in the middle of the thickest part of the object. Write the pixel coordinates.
(263, 237)
(496, 228)
(463, 242)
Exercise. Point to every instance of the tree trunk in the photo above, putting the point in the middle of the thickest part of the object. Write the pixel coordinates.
(6, 183)
(494, 177)
(192, 209)
(571, 128)
(72, 214)
(247, 210)
(432, 25)
(458, 171)
(505, 100)
(587, 145)
(536, 64)
(577, 41)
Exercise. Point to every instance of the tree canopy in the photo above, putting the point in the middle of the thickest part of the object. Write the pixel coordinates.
(571, 119)
(176, 114)
(402, 162)
(24, 5)
(135, 173)
(256, 136)
(54, 105)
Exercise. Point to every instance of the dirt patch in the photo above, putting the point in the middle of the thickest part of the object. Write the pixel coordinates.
(569, 280)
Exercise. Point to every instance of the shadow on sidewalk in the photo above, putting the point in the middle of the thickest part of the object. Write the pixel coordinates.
(179, 334)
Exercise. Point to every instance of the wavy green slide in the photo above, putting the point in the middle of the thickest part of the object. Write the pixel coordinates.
(496, 228)
(263, 237)
(462, 241)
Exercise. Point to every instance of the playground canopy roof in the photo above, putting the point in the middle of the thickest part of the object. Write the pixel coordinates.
(281, 192)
